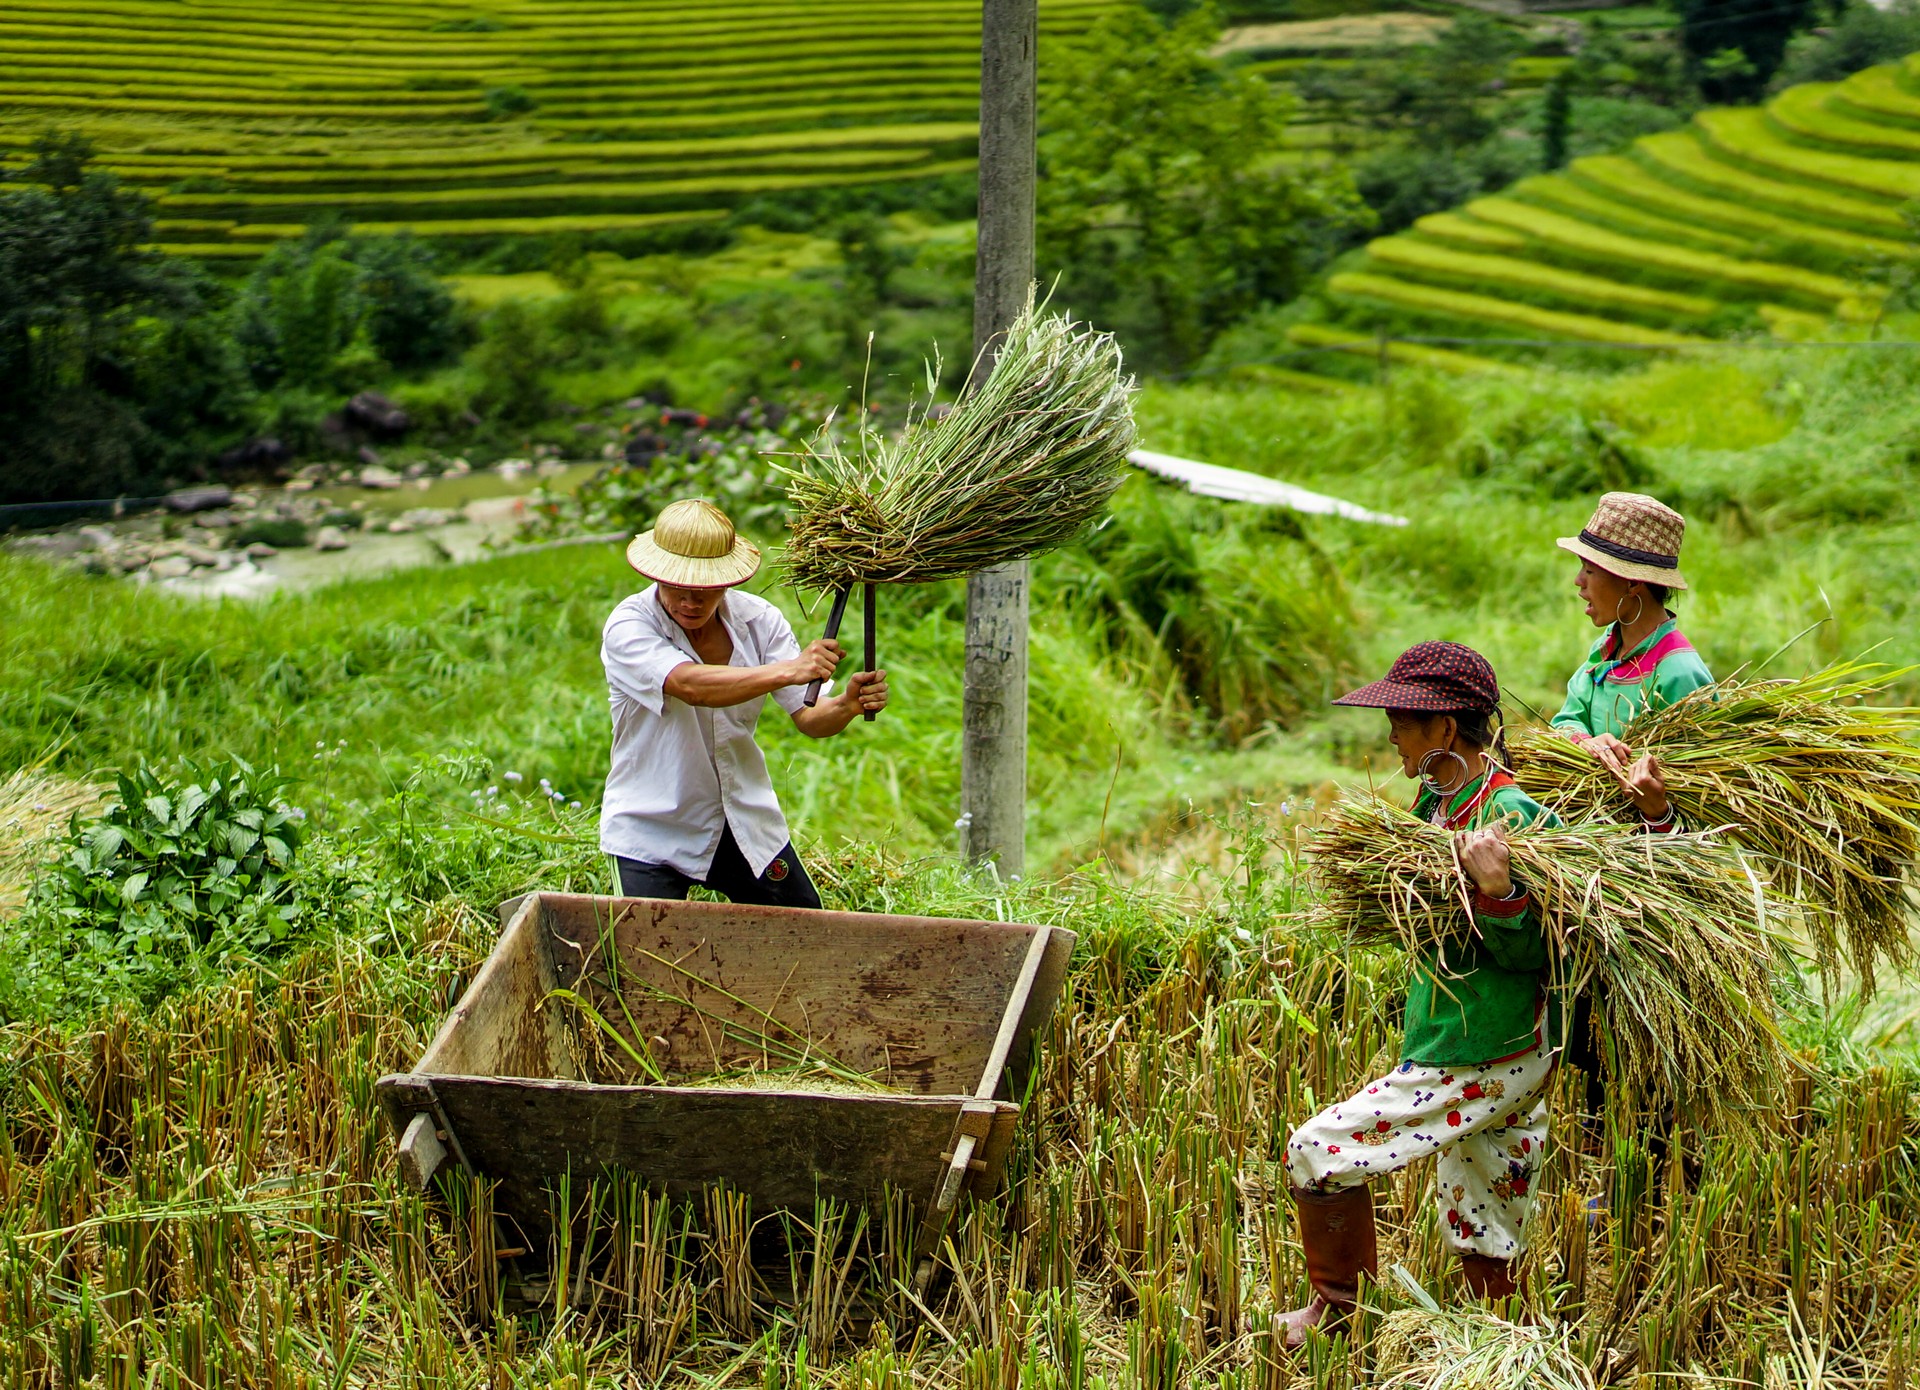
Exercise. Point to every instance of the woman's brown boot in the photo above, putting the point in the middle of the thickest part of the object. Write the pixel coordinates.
(1488, 1278)
(1336, 1235)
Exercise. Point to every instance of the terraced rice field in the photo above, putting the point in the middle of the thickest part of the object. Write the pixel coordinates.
(248, 119)
(1777, 218)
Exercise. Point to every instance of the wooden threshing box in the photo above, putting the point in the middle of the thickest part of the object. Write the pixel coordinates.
(942, 1015)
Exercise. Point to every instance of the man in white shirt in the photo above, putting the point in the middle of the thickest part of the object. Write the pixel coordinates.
(689, 664)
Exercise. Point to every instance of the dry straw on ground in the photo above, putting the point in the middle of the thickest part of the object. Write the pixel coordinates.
(1025, 460)
(35, 805)
(1432, 1348)
(1803, 773)
(1676, 933)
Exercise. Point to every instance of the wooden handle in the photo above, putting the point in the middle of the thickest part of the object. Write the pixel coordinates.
(873, 646)
(833, 631)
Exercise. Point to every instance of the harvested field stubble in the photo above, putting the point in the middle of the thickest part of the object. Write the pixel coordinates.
(206, 1194)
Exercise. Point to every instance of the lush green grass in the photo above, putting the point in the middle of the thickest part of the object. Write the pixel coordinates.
(374, 101)
(1795, 469)
(1792, 469)
(502, 658)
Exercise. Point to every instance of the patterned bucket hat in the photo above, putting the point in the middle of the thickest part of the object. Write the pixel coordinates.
(1634, 536)
(693, 546)
(1437, 677)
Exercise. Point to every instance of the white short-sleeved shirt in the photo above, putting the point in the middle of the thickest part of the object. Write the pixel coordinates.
(681, 773)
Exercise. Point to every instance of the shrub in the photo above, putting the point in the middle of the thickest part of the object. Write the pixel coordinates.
(285, 533)
(82, 304)
(329, 310)
(503, 103)
(1403, 183)
(1242, 616)
(174, 868)
(1863, 36)
(512, 362)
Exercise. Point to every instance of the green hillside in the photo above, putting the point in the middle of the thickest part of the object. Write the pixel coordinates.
(1780, 218)
(249, 118)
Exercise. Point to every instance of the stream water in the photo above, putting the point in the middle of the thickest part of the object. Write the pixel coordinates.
(489, 517)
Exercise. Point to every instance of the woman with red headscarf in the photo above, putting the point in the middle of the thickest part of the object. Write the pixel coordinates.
(1474, 1061)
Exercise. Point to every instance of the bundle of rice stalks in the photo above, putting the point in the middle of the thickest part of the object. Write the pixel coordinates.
(1019, 466)
(1676, 933)
(1802, 773)
(1432, 1349)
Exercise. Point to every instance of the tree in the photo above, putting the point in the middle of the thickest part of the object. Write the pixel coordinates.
(1165, 206)
(1734, 46)
(1443, 95)
(1434, 122)
(330, 311)
(1556, 121)
(1863, 36)
(81, 304)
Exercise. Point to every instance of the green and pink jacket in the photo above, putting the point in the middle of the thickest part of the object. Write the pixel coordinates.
(1610, 688)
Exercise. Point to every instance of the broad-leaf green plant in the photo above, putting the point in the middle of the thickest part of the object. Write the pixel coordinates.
(178, 865)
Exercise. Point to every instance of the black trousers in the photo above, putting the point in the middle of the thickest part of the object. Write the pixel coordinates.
(784, 884)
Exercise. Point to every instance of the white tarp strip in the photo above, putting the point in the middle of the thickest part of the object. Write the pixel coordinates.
(1236, 485)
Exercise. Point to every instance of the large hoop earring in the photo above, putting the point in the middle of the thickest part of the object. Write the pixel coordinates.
(1640, 598)
(1427, 778)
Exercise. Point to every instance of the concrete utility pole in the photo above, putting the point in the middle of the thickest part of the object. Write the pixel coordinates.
(993, 766)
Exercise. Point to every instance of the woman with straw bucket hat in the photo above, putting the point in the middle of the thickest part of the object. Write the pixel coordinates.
(690, 662)
(1629, 569)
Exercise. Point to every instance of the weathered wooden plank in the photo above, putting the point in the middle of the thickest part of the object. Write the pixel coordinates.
(1038, 1012)
(781, 1148)
(993, 1153)
(421, 1152)
(916, 1001)
(1013, 1009)
(499, 1027)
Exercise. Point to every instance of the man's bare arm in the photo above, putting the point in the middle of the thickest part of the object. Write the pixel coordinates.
(719, 687)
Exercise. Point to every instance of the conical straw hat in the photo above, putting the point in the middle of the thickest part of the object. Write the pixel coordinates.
(693, 546)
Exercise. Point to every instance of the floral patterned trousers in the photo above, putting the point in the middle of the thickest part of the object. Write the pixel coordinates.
(1488, 1124)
